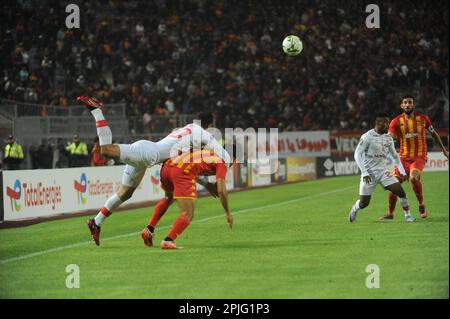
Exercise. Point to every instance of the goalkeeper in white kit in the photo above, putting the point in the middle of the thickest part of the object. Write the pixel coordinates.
(370, 155)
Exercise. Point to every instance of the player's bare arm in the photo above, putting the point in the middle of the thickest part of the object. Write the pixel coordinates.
(438, 139)
(210, 187)
(223, 195)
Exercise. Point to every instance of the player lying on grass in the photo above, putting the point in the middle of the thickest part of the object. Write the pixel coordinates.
(411, 129)
(178, 178)
(142, 154)
(370, 155)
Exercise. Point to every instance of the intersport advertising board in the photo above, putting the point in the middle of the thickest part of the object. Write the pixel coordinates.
(36, 193)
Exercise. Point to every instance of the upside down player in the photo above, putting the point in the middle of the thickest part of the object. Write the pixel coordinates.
(178, 179)
(370, 155)
(410, 127)
(142, 154)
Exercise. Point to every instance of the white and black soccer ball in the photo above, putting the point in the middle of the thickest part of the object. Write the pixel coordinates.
(292, 45)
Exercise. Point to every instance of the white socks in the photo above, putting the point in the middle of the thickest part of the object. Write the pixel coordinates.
(103, 130)
(405, 204)
(355, 207)
(111, 204)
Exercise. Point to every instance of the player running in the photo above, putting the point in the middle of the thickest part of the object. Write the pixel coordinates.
(178, 179)
(370, 155)
(142, 154)
(410, 127)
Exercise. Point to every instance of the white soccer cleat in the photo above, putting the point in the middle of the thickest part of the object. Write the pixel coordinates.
(352, 216)
(410, 218)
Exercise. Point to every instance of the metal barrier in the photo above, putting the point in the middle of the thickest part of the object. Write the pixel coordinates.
(14, 109)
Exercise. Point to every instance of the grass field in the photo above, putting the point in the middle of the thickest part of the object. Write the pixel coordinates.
(290, 241)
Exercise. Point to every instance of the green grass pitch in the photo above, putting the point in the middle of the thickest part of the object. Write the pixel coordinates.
(290, 241)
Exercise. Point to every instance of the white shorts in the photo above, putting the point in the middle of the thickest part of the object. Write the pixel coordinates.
(384, 178)
(138, 156)
(142, 153)
(132, 175)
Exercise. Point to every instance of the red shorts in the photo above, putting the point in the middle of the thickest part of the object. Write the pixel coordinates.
(411, 164)
(183, 185)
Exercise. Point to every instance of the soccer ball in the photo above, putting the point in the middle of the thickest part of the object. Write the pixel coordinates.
(292, 45)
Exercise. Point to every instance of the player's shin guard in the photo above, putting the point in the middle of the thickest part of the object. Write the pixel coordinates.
(111, 204)
(417, 188)
(103, 130)
(159, 211)
(405, 205)
(392, 203)
(179, 226)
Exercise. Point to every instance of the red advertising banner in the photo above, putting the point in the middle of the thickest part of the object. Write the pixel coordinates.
(307, 143)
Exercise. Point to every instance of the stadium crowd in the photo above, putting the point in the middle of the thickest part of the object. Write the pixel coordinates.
(171, 57)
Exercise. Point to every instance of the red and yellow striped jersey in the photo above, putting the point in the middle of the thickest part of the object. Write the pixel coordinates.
(200, 162)
(412, 134)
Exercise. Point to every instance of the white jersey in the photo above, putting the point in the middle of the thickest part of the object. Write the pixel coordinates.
(371, 153)
(187, 137)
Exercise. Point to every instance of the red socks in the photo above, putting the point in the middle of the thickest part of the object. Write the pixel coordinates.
(105, 211)
(392, 202)
(417, 188)
(178, 227)
(159, 211)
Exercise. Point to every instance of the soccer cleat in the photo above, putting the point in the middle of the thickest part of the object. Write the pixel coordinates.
(169, 245)
(352, 216)
(423, 211)
(95, 231)
(147, 236)
(387, 217)
(90, 102)
(410, 218)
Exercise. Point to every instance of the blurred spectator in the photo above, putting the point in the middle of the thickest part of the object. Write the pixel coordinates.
(45, 155)
(96, 157)
(78, 153)
(13, 155)
(34, 157)
(63, 157)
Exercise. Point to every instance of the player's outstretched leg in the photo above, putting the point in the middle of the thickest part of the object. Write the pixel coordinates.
(397, 189)
(148, 233)
(417, 188)
(181, 223)
(361, 203)
(96, 106)
(104, 134)
(392, 201)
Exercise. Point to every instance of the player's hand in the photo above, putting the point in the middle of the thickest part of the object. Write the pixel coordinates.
(212, 189)
(367, 179)
(229, 218)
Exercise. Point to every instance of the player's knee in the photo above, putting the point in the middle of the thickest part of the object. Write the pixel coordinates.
(106, 151)
(169, 197)
(415, 178)
(110, 151)
(401, 193)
